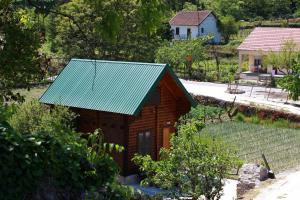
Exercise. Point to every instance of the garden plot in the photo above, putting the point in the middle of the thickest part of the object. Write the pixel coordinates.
(281, 146)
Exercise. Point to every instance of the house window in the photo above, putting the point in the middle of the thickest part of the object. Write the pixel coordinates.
(177, 31)
(144, 143)
(202, 30)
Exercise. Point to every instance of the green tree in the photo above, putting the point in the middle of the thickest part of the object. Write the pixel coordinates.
(195, 165)
(285, 59)
(291, 82)
(184, 53)
(189, 7)
(19, 43)
(130, 32)
(287, 62)
(257, 8)
(228, 27)
(281, 8)
(227, 8)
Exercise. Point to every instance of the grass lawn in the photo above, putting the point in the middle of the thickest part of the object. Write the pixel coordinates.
(281, 146)
(33, 93)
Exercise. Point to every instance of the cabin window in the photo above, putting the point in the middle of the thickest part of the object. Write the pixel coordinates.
(202, 30)
(144, 143)
(177, 31)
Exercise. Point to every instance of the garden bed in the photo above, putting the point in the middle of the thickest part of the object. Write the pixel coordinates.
(281, 146)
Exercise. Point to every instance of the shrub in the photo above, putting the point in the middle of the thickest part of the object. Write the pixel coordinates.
(240, 117)
(204, 114)
(255, 119)
(49, 155)
(33, 117)
(28, 160)
(195, 165)
(282, 123)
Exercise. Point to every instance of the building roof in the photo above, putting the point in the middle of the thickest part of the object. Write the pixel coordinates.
(189, 18)
(110, 86)
(269, 38)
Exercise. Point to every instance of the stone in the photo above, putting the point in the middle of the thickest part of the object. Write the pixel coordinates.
(250, 177)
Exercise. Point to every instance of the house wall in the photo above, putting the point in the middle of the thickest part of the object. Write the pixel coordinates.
(210, 28)
(183, 32)
(162, 110)
(114, 127)
(252, 55)
(146, 121)
(209, 25)
(155, 117)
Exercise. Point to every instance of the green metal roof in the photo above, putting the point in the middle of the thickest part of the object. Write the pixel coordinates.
(111, 86)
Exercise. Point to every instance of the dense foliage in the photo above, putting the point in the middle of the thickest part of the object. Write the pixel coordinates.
(291, 83)
(19, 59)
(42, 154)
(123, 30)
(195, 164)
(287, 62)
(182, 55)
(228, 27)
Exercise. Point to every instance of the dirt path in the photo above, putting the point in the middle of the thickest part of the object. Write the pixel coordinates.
(286, 186)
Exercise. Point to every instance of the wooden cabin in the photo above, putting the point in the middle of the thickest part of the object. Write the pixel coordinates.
(135, 104)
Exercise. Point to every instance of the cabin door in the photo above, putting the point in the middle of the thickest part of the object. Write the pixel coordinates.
(167, 132)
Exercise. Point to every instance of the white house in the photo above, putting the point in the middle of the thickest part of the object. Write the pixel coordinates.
(191, 24)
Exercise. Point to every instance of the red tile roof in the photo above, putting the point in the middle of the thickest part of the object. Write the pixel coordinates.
(189, 18)
(269, 38)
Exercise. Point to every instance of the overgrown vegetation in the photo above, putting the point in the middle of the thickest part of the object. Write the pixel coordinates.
(195, 164)
(287, 62)
(42, 155)
(274, 123)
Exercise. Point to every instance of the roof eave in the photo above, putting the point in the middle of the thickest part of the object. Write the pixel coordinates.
(166, 69)
(178, 82)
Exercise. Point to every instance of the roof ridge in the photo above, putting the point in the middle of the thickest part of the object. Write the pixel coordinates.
(190, 18)
(263, 27)
(112, 61)
(195, 11)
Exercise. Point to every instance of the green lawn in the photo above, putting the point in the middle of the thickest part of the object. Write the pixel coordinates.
(281, 146)
(33, 93)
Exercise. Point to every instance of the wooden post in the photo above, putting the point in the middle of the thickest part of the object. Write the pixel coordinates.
(270, 172)
(240, 62)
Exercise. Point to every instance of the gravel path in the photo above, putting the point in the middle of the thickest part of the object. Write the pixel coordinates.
(285, 187)
(229, 190)
(259, 95)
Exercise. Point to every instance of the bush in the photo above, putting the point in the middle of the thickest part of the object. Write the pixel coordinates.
(50, 156)
(32, 117)
(282, 123)
(240, 117)
(205, 114)
(194, 166)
